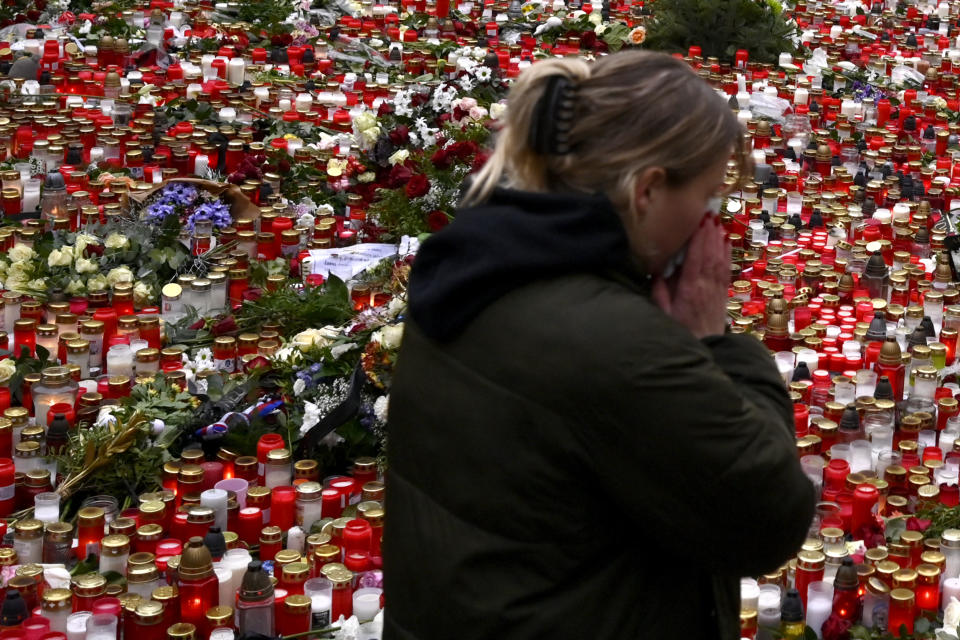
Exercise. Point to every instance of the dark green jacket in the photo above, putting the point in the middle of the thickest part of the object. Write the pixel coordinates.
(572, 463)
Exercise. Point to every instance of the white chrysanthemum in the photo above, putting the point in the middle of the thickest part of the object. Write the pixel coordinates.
(299, 386)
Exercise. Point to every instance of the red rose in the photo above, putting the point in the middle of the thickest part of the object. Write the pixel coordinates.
(287, 39)
(385, 109)
(197, 325)
(399, 175)
(252, 294)
(283, 166)
(418, 186)
(40, 4)
(33, 15)
(836, 628)
(917, 524)
(441, 159)
(20, 18)
(479, 161)
(437, 220)
(872, 533)
(463, 150)
(257, 363)
(224, 325)
(400, 135)
(93, 250)
(276, 40)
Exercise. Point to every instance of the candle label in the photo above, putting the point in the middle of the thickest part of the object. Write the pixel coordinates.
(136, 172)
(226, 364)
(321, 619)
(7, 493)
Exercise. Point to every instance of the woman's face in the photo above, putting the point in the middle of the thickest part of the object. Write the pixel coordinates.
(667, 216)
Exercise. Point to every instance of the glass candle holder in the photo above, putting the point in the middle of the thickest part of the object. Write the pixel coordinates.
(902, 611)
(46, 506)
(819, 604)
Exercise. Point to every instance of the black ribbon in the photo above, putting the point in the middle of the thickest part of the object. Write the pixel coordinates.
(340, 414)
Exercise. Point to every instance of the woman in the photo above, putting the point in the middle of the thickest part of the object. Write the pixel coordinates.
(576, 449)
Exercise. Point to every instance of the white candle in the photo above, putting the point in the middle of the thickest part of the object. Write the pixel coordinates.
(262, 93)
(749, 594)
(293, 145)
(200, 164)
(77, 625)
(193, 90)
(285, 104)
(216, 499)
(225, 578)
(819, 605)
(951, 589)
(46, 506)
(296, 538)
(236, 560)
(228, 114)
(801, 96)
(304, 102)
(236, 69)
(206, 63)
(366, 603)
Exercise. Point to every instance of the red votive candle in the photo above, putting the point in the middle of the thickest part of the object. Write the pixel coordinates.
(283, 506)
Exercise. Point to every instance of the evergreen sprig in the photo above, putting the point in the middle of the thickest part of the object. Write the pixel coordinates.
(721, 27)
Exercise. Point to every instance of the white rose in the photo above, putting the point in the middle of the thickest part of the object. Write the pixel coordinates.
(116, 241)
(391, 336)
(315, 337)
(97, 283)
(16, 282)
(142, 293)
(75, 286)
(595, 18)
(369, 136)
(366, 177)
(119, 274)
(60, 258)
(39, 284)
(497, 109)
(399, 157)
(86, 265)
(4, 266)
(21, 269)
(7, 368)
(364, 121)
(21, 252)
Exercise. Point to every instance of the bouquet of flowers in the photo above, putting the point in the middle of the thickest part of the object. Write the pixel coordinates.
(190, 204)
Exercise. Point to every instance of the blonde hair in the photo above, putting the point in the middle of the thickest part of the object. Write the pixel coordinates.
(634, 110)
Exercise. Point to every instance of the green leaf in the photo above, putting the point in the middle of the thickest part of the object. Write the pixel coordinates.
(809, 634)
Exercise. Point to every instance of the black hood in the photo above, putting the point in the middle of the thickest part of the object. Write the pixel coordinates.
(514, 238)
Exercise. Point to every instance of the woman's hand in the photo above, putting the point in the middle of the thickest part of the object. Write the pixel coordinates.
(696, 296)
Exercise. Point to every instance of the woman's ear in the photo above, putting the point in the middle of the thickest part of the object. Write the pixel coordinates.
(646, 186)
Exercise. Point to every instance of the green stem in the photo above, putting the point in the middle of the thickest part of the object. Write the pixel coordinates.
(310, 633)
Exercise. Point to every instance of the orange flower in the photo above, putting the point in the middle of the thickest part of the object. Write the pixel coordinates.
(638, 35)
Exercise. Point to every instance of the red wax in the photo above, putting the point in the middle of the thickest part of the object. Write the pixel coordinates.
(212, 474)
(249, 524)
(835, 474)
(901, 614)
(283, 504)
(356, 536)
(196, 596)
(330, 506)
(865, 496)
